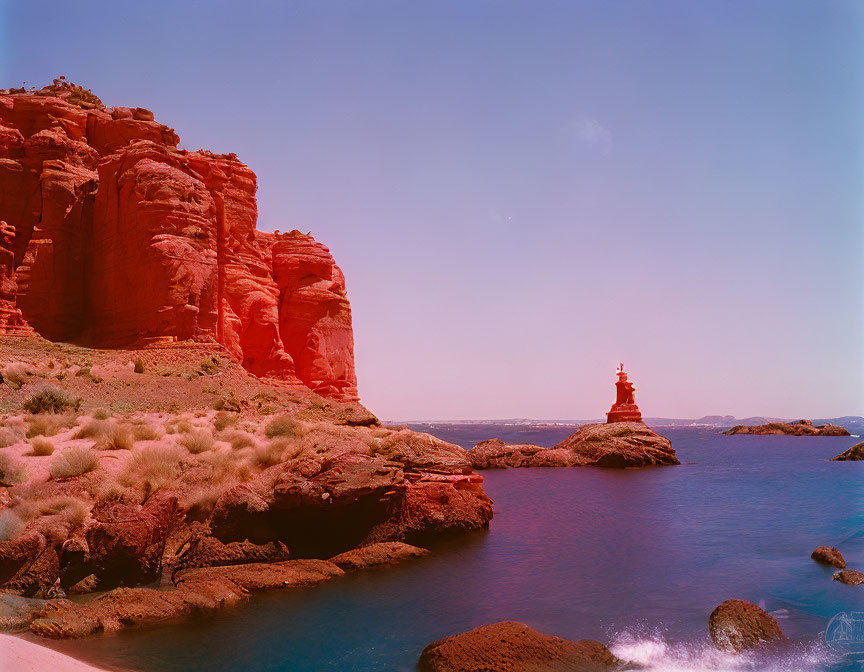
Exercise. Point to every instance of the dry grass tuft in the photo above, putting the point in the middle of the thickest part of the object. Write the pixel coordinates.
(11, 525)
(73, 461)
(153, 468)
(101, 414)
(49, 424)
(197, 441)
(223, 419)
(15, 374)
(11, 434)
(145, 432)
(12, 470)
(42, 446)
(93, 429)
(178, 426)
(284, 425)
(118, 437)
(238, 439)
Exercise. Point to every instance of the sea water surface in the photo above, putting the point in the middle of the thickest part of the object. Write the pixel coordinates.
(635, 558)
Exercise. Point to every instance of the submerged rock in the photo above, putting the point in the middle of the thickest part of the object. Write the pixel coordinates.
(828, 555)
(510, 646)
(798, 428)
(738, 625)
(856, 452)
(851, 577)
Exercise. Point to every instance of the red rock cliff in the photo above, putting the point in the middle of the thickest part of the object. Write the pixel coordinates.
(110, 236)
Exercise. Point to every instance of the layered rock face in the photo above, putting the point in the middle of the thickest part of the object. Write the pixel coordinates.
(111, 236)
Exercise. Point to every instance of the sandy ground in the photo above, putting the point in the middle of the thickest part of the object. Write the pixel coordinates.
(18, 655)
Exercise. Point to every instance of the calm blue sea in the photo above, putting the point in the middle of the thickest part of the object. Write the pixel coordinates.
(634, 558)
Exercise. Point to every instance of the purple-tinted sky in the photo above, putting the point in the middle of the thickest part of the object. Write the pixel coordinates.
(524, 193)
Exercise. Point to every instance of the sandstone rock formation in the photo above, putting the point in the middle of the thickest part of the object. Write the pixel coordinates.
(851, 577)
(854, 453)
(112, 236)
(496, 454)
(510, 646)
(798, 428)
(738, 625)
(828, 555)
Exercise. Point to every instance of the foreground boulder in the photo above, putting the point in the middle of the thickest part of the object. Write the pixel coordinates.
(510, 646)
(122, 544)
(29, 565)
(828, 555)
(738, 625)
(856, 452)
(851, 577)
(798, 428)
(377, 555)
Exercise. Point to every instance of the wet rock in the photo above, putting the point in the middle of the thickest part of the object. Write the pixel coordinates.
(29, 565)
(514, 647)
(738, 625)
(854, 453)
(851, 577)
(375, 555)
(828, 555)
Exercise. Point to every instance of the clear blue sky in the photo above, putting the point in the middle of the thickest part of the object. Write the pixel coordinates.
(524, 193)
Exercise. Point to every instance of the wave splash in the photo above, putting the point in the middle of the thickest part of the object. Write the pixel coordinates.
(653, 652)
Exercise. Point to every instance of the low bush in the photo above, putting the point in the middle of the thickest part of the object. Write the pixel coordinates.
(73, 461)
(284, 425)
(50, 400)
(42, 446)
(197, 441)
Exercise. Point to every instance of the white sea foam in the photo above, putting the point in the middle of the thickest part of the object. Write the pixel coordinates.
(652, 652)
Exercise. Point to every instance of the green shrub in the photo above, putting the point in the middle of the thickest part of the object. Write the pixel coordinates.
(73, 461)
(50, 400)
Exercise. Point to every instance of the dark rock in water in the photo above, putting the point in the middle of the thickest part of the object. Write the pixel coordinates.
(375, 555)
(619, 445)
(856, 452)
(514, 647)
(851, 577)
(828, 555)
(799, 428)
(738, 625)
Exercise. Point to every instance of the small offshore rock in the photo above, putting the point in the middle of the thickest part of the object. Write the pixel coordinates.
(851, 577)
(738, 625)
(828, 555)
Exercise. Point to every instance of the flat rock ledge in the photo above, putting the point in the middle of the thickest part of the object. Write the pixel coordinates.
(510, 646)
(855, 453)
(828, 555)
(851, 577)
(798, 428)
(737, 625)
(619, 445)
(199, 590)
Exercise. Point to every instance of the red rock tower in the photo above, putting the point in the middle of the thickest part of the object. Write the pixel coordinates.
(624, 409)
